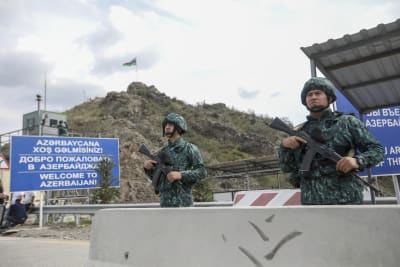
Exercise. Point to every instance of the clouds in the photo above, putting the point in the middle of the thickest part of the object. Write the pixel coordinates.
(243, 93)
(104, 36)
(245, 54)
(21, 68)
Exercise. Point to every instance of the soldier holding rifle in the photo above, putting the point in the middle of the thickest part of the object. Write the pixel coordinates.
(183, 165)
(327, 182)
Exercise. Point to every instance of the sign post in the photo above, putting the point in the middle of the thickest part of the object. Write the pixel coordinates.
(41, 209)
(396, 187)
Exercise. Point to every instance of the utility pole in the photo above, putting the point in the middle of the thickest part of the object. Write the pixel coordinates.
(38, 99)
(45, 91)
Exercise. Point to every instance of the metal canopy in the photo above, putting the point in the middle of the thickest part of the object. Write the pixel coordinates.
(364, 66)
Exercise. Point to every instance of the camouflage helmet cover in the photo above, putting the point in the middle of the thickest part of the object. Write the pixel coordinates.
(177, 120)
(321, 84)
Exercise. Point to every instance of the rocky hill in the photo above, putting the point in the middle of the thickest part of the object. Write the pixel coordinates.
(135, 115)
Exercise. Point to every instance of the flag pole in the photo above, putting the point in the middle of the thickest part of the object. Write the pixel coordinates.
(136, 69)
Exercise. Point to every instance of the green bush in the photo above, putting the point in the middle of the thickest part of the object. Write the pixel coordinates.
(105, 194)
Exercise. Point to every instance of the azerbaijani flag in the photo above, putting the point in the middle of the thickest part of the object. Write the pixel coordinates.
(130, 63)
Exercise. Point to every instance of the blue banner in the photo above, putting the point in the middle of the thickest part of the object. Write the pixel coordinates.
(44, 163)
(384, 124)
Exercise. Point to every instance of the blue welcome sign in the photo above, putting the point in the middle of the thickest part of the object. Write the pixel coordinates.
(43, 163)
(384, 124)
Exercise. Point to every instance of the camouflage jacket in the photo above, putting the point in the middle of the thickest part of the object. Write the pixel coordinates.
(325, 185)
(186, 158)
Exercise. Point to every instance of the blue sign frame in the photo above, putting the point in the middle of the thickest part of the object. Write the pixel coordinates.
(44, 163)
(384, 124)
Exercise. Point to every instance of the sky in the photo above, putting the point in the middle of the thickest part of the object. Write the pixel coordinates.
(243, 53)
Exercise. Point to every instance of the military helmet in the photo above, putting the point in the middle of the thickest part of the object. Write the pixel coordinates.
(321, 84)
(177, 120)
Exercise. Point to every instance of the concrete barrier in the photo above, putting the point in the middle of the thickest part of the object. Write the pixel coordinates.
(255, 237)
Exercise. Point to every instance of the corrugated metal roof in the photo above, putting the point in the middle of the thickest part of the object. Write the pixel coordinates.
(364, 66)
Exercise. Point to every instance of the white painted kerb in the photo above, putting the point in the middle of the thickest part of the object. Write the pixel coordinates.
(255, 237)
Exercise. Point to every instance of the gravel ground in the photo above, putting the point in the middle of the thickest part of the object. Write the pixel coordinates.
(56, 231)
(67, 231)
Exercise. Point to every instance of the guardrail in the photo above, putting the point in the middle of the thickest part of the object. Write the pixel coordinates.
(382, 201)
(92, 208)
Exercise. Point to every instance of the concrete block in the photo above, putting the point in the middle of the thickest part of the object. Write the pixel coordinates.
(253, 236)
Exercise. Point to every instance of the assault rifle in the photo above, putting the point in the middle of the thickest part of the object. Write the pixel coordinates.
(315, 146)
(163, 165)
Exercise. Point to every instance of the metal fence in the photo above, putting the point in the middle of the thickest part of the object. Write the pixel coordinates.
(92, 208)
(59, 211)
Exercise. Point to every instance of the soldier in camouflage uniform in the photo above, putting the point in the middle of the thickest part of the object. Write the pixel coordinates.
(329, 183)
(187, 165)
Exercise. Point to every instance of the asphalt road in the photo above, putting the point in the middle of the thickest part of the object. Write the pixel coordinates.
(41, 252)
